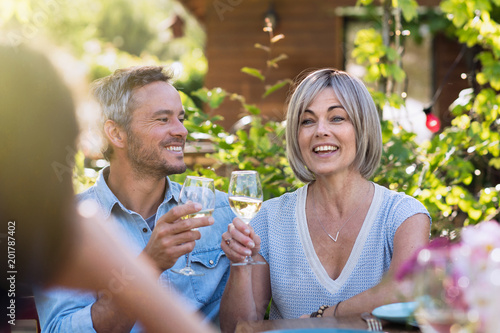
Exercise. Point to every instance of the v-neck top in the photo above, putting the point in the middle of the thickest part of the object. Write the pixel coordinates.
(333, 285)
(299, 282)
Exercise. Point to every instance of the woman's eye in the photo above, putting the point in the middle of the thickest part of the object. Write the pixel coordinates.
(306, 122)
(337, 119)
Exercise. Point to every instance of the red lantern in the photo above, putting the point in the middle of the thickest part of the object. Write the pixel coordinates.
(431, 121)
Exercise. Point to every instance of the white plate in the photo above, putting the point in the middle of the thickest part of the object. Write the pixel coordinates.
(396, 312)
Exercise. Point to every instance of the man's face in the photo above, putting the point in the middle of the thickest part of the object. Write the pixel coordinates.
(157, 135)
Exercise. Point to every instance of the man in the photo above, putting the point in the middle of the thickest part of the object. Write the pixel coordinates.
(143, 124)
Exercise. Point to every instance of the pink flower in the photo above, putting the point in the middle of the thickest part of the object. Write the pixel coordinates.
(430, 254)
(484, 236)
(462, 276)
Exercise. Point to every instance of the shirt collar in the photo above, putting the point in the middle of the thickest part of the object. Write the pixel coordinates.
(109, 200)
(172, 192)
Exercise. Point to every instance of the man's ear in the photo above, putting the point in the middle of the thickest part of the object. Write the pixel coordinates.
(116, 135)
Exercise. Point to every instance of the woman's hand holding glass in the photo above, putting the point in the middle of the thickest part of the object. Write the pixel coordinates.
(245, 199)
(240, 241)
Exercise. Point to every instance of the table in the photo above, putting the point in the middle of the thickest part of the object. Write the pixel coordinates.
(350, 321)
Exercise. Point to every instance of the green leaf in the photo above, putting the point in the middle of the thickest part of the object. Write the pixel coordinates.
(391, 54)
(458, 10)
(462, 122)
(397, 72)
(252, 108)
(262, 47)
(214, 97)
(408, 8)
(280, 84)
(187, 102)
(253, 72)
(495, 162)
(474, 214)
(274, 62)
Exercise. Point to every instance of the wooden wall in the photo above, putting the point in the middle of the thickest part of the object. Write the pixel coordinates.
(313, 39)
(448, 76)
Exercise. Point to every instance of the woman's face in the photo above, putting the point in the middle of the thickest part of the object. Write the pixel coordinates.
(327, 139)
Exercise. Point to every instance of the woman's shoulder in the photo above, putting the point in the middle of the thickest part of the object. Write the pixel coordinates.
(285, 198)
(275, 211)
(392, 195)
(279, 207)
(399, 203)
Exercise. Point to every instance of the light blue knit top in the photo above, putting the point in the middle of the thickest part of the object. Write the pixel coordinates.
(299, 283)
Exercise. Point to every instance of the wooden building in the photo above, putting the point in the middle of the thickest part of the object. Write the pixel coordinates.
(315, 36)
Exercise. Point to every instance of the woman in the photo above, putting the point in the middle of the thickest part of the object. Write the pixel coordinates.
(52, 242)
(331, 241)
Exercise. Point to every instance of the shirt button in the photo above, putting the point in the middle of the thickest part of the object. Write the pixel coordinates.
(144, 229)
(211, 262)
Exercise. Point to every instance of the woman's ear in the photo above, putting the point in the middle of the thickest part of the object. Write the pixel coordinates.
(115, 134)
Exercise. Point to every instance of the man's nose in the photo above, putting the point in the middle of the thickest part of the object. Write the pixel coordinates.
(179, 129)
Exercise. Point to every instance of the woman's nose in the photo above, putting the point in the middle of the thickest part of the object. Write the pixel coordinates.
(321, 129)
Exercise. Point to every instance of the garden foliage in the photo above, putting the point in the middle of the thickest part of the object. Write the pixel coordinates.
(456, 174)
(260, 145)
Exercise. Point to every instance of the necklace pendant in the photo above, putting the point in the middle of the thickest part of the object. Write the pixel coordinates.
(336, 236)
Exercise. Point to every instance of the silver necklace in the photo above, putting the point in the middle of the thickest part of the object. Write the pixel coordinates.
(343, 225)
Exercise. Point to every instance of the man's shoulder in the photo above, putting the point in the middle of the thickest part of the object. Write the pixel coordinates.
(89, 193)
(221, 200)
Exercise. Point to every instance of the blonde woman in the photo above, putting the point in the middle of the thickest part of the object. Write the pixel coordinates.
(329, 243)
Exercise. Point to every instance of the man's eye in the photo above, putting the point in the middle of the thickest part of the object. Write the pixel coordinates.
(182, 120)
(163, 119)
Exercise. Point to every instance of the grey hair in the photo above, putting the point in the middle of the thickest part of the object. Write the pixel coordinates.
(358, 104)
(115, 95)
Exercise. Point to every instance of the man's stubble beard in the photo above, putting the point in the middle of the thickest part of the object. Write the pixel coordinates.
(148, 163)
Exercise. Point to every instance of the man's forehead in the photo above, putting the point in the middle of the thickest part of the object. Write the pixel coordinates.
(155, 97)
(157, 88)
(156, 94)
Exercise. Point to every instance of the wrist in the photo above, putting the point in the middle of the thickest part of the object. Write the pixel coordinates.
(336, 310)
(320, 312)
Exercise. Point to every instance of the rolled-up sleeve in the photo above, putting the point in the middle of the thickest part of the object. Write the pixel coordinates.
(64, 310)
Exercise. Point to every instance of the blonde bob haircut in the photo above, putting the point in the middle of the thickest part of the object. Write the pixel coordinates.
(359, 105)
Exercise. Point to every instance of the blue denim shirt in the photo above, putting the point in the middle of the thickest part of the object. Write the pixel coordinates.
(64, 310)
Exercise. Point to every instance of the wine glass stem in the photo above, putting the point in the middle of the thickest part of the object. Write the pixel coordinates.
(188, 260)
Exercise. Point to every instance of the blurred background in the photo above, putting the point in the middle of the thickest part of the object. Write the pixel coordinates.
(432, 67)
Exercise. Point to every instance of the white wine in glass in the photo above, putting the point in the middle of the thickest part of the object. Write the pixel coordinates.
(202, 191)
(245, 207)
(245, 199)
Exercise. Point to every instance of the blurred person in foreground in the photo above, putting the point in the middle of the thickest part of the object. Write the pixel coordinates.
(332, 241)
(143, 124)
(56, 242)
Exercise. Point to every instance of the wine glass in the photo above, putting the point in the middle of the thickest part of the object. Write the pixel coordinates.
(202, 191)
(245, 199)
